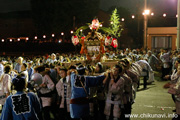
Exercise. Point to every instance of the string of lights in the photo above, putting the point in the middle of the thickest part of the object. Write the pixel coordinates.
(10, 39)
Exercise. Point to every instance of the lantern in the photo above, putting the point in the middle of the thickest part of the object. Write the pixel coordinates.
(95, 24)
(108, 40)
(75, 40)
(114, 43)
(83, 37)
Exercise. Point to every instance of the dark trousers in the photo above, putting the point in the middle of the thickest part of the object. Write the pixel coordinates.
(173, 97)
(86, 118)
(63, 114)
(165, 71)
(145, 81)
(54, 106)
(40, 116)
(126, 111)
(145, 78)
(46, 113)
(101, 104)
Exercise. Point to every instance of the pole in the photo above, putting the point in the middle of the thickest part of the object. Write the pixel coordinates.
(178, 23)
(74, 19)
(146, 32)
(145, 25)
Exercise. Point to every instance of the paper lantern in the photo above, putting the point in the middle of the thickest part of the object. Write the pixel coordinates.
(108, 40)
(75, 40)
(114, 43)
(83, 37)
(95, 24)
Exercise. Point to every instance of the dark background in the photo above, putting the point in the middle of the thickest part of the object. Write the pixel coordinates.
(29, 18)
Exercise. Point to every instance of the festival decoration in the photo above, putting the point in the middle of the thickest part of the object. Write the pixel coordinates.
(114, 43)
(95, 24)
(93, 44)
(116, 27)
(75, 40)
(108, 40)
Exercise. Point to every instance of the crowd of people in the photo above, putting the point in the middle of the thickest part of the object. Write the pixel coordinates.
(47, 87)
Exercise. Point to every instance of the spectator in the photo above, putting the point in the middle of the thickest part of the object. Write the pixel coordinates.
(64, 93)
(30, 70)
(5, 84)
(19, 64)
(1, 68)
(24, 71)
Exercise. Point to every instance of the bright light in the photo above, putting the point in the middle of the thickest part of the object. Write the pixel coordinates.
(53, 35)
(176, 16)
(143, 13)
(164, 15)
(62, 33)
(152, 14)
(111, 22)
(10, 40)
(18, 39)
(81, 30)
(100, 25)
(60, 40)
(122, 19)
(72, 32)
(27, 38)
(133, 16)
(35, 37)
(2, 40)
(147, 12)
(44, 36)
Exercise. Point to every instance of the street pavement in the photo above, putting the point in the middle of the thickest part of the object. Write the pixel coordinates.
(153, 103)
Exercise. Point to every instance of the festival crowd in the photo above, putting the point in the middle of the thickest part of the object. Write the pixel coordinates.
(67, 87)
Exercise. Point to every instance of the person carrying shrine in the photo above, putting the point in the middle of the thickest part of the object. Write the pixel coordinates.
(79, 105)
(64, 92)
(114, 99)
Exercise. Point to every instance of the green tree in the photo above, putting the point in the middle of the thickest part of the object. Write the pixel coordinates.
(131, 26)
(122, 12)
(115, 26)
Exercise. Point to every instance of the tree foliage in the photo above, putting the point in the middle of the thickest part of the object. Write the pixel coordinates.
(122, 12)
(115, 26)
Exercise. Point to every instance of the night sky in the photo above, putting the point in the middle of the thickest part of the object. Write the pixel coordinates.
(14, 5)
(157, 6)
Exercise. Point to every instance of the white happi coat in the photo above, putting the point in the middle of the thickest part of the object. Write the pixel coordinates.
(136, 68)
(128, 91)
(132, 73)
(174, 77)
(60, 90)
(46, 101)
(165, 58)
(5, 86)
(117, 89)
(145, 66)
(175, 86)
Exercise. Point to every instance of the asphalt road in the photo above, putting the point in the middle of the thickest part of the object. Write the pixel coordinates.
(153, 103)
